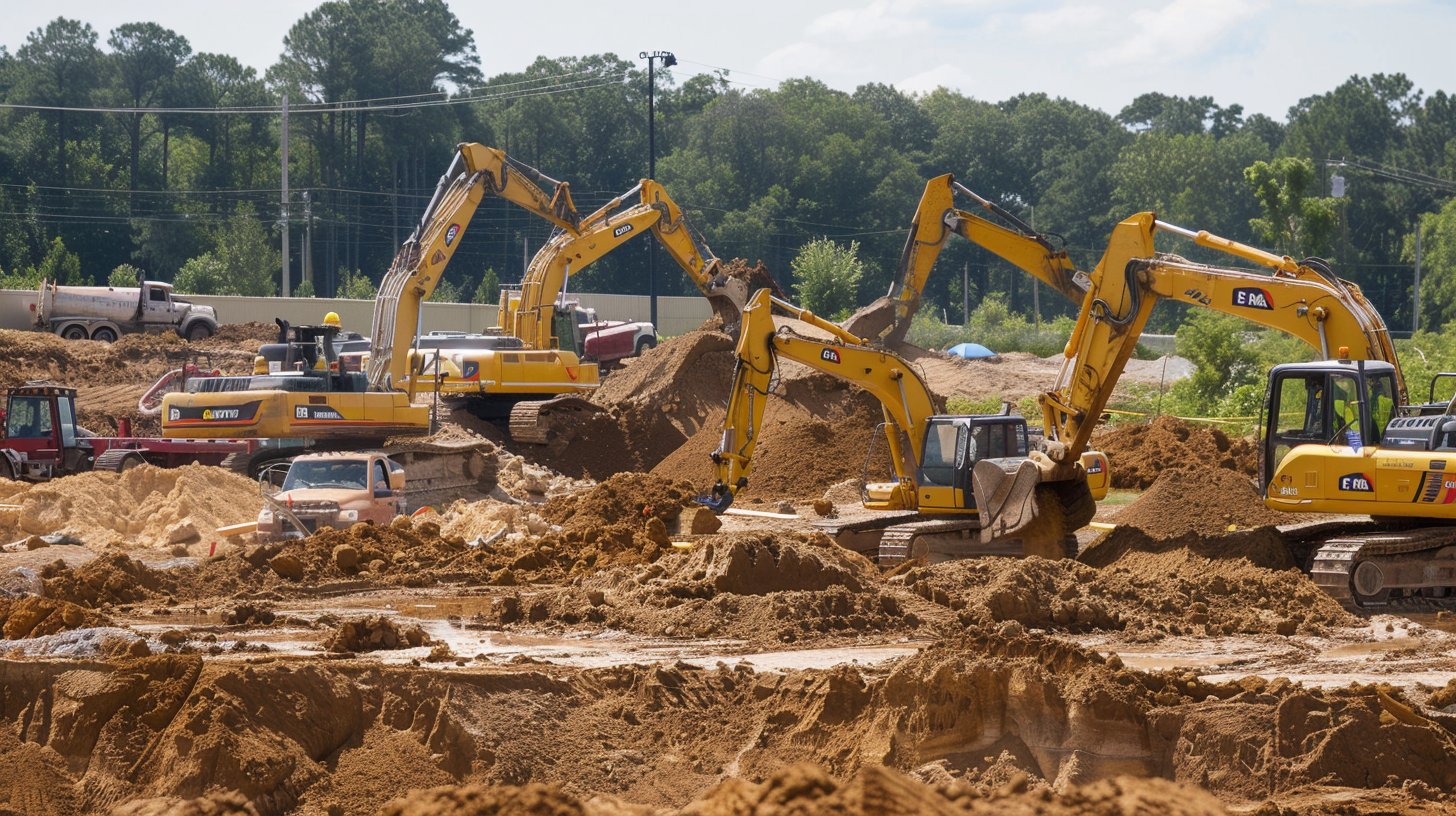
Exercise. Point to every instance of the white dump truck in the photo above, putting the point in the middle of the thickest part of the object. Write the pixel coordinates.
(106, 312)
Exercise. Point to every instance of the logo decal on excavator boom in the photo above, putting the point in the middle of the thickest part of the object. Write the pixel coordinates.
(450, 233)
(829, 356)
(1253, 297)
(622, 230)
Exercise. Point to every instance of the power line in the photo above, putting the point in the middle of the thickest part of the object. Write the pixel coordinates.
(346, 106)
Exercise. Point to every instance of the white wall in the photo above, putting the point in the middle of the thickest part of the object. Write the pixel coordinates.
(675, 315)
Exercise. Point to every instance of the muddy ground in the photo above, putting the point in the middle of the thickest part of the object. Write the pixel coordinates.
(589, 641)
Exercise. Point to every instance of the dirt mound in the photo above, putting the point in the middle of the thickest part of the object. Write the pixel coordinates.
(1146, 588)
(373, 633)
(667, 395)
(617, 508)
(104, 581)
(34, 617)
(809, 790)
(762, 589)
(1140, 452)
(134, 360)
(240, 336)
(1281, 736)
(143, 506)
(1202, 502)
(816, 432)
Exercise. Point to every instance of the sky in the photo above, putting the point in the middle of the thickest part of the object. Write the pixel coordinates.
(1263, 54)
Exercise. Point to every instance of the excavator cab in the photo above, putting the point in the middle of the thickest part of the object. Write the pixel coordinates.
(953, 446)
(1341, 403)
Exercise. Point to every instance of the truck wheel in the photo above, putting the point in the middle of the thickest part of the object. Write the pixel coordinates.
(198, 331)
(74, 332)
(105, 334)
(645, 343)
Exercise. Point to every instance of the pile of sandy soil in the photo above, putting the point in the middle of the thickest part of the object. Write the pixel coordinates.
(142, 507)
(808, 790)
(34, 617)
(760, 589)
(1140, 452)
(816, 432)
(108, 580)
(1146, 588)
(372, 633)
(986, 721)
(1201, 502)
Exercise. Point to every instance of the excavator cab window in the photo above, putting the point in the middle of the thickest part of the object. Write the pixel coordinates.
(28, 418)
(945, 448)
(1297, 415)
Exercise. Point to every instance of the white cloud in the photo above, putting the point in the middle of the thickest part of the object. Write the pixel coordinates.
(944, 75)
(801, 59)
(1176, 31)
(1068, 20)
(881, 19)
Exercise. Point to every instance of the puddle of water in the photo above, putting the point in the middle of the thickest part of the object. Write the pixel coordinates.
(446, 618)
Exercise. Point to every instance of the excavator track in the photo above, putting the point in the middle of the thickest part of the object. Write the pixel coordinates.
(1371, 570)
(540, 422)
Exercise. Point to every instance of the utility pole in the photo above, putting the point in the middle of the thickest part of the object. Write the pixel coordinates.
(966, 293)
(308, 240)
(1416, 309)
(668, 60)
(1035, 282)
(283, 133)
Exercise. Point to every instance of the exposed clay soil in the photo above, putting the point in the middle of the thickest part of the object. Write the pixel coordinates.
(1140, 452)
(738, 670)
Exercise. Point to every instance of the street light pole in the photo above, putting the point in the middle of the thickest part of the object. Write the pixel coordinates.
(668, 60)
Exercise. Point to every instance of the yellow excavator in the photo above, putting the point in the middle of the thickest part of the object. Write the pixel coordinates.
(537, 315)
(1340, 436)
(937, 217)
(313, 403)
(933, 513)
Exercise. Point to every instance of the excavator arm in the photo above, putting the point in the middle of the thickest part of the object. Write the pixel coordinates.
(475, 172)
(568, 253)
(903, 395)
(1302, 299)
(936, 219)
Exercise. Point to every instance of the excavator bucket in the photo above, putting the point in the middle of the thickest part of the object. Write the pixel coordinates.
(872, 320)
(1034, 499)
(728, 299)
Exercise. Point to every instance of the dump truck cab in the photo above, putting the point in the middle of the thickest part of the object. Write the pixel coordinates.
(330, 490)
(41, 438)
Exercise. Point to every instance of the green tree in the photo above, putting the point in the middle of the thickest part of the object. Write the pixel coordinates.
(146, 56)
(242, 260)
(1225, 362)
(61, 266)
(1294, 221)
(58, 66)
(828, 277)
(356, 285)
(125, 276)
(445, 292)
(1438, 265)
(488, 290)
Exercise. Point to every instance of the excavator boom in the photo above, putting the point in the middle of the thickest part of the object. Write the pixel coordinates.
(936, 219)
(417, 268)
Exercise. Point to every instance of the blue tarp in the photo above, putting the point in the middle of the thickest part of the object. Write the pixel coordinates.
(970, 351)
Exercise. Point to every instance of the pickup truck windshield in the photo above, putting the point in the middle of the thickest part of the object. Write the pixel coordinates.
(350, 475)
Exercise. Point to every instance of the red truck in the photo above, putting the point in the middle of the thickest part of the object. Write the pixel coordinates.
(609, 342)
(42, 440)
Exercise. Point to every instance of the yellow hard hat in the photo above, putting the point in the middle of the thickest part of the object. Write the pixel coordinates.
(332, 319)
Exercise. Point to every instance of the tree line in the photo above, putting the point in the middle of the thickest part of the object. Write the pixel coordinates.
(128, 153)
